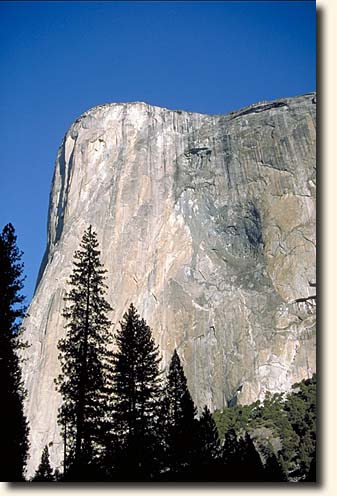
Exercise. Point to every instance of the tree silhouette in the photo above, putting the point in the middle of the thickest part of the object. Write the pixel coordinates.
(241, 459)
(181, 424)
(252, 467)
(13, 424)
(208, 466)
(44, 472)
(82, 355)
(231, 454)
(312, 473)
(136, 387)
(209, 436)
(273, 471)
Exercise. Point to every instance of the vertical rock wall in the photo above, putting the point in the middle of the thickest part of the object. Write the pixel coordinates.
(207, 224)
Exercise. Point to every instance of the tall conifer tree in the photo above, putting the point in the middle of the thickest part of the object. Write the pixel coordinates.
(136, 388)
(181, 424)
(232, 456)
(209, 436)
(13, 424)
(207, 465)
(242, 460)
(252, 466)
(82, 354)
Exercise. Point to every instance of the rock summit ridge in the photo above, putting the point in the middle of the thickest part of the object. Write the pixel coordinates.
(207, 224)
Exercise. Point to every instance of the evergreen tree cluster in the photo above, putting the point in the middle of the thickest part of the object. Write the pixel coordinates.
(121, 417)
(122, 420)
(284, 425)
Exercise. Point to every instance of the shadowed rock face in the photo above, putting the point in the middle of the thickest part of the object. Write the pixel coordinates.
(207, 224)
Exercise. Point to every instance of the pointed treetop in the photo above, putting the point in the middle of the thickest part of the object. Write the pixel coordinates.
(44, 472)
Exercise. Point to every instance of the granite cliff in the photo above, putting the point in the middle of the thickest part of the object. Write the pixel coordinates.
(207, 224)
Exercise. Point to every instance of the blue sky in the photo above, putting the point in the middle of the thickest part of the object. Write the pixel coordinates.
(58, 59)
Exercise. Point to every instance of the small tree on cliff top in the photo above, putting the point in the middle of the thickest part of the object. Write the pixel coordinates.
(82, 354)
(13, 423)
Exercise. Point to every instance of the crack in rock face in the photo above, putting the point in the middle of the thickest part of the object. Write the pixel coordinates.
(207, 224)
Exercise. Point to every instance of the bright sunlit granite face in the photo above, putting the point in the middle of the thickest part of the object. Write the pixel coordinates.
(207, 224)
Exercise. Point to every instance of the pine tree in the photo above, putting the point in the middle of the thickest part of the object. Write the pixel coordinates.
(252, 467)
(312, 473)
(242, 460)
(82, 355)
(180, 422)
(231, 454)
(136, 387)
(13, 424)
(44, 472)
(209, 436)
(273, 471)
(207, 466)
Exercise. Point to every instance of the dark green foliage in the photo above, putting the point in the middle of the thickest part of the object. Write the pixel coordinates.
(272, 414)
(135, 383)
(209, 442)
(181, 424)
(13, 423)
(242, 462)
(207, 461)
(252, 467)
(231, 449)
(83, 353)
(291, 418)
(312, 473)
(11, 283)
(231, 457)
(273, 471)
(44, 471)
(301, 411)
(236, 417)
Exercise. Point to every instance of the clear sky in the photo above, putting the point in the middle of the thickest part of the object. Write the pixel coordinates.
(58, 59)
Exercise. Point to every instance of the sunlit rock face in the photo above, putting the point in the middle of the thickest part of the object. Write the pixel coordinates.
(207, 224)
